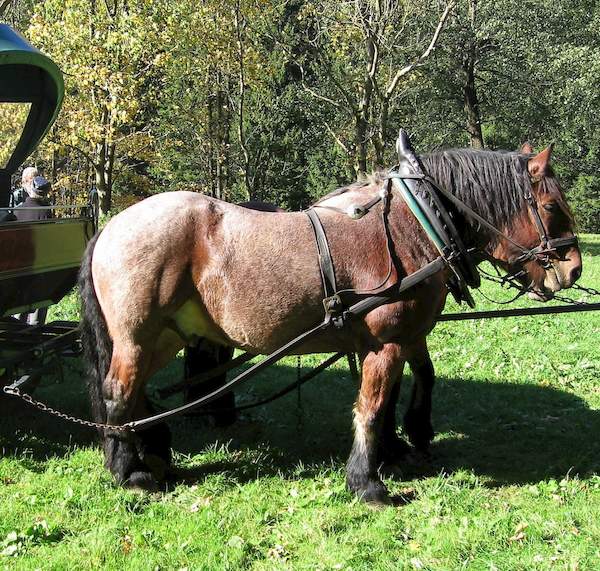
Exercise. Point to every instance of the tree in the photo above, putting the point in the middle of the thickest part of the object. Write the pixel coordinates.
(394, 40)
(111, 53)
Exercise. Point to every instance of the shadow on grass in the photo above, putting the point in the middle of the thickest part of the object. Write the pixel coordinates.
(588, 246)
(510, 433)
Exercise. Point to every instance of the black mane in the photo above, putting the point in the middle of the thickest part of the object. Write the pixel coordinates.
(492, 183)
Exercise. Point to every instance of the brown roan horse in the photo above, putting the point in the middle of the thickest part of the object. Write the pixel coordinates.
(180, 265)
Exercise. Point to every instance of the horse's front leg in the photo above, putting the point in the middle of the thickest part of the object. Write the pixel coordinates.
(417, 420)
(392, 447)
(380, 371)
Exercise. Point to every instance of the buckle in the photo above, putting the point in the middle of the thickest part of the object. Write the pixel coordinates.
(333, 305)
(355, 211)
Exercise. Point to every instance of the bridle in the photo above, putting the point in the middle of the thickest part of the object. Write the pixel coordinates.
(543, 253)
(546, 250)
(342, 306)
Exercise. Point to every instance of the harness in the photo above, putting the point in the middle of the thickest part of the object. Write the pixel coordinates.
(548, 246)
(427, 204)
(430, 205)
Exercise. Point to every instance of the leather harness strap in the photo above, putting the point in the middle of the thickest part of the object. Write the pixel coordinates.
(357, 310)
(366, 301)
(547, 244)
(325, 261)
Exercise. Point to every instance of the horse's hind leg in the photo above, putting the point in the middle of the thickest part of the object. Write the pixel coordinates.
(126, 452)
(392, 447)
(380, 370)
(417, 420)
(201, 358)
(154, 444)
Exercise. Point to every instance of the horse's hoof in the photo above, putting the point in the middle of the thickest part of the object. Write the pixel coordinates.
(393, 450)
(158, 466)
(143, 481)
(421, 456)
(375, 495)
(422, 447)
(391, 470)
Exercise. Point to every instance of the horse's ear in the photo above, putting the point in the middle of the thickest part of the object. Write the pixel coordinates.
(526, 149)
(538, 165)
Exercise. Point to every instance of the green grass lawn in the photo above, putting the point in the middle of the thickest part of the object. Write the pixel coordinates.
(513, 481)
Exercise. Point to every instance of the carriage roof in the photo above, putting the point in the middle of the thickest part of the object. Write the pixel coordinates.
(27, 76)
(39, 260)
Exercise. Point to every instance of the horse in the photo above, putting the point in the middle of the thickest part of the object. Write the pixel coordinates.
(179, 266)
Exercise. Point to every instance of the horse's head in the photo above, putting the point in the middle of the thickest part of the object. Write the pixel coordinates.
(544, 227)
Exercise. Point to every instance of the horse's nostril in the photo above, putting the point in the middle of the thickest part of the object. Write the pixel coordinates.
(575, 274)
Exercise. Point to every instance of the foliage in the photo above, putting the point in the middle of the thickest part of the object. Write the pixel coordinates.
(112, 66)
(281, 101)
(585, 197)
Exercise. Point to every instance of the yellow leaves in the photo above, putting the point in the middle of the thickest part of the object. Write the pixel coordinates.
(519, 534)
(108, 61)
(12, 121)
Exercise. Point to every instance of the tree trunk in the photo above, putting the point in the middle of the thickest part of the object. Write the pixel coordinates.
(104, 191)
(363, 111)
(470, 100)
(213, 147)
(222, 143)
(240, 24)
(380, 138)
(360, 139)
(103, 174)
(471, 106)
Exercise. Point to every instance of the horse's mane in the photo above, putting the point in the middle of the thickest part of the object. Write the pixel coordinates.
(493, 183)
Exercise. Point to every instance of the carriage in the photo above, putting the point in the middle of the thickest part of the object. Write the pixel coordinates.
(39, 260)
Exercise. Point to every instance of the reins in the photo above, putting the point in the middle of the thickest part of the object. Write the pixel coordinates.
(547, 244)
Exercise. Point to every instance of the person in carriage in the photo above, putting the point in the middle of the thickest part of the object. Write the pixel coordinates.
(36, 189)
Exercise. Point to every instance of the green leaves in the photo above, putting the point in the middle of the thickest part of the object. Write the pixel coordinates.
(153, 91)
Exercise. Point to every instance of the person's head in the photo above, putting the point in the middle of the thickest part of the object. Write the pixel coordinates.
(40, 187)
(29, 173)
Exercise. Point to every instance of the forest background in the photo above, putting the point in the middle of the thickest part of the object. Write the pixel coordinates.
(284, 100)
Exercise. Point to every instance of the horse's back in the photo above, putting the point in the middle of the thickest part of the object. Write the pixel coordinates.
(141, 258)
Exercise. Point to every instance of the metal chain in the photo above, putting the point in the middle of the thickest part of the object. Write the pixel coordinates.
(589, 290)
(505, 282)
(568, 300)
(49, 410)
(102, 426)
(528, 289)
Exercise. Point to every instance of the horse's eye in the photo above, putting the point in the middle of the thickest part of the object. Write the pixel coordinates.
(550, 206)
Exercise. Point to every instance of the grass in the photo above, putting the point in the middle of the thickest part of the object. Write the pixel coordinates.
(512, 482)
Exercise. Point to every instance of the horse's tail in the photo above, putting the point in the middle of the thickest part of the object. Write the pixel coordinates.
(96, 341)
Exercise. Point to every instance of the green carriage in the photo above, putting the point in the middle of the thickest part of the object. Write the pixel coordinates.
(39, 260)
